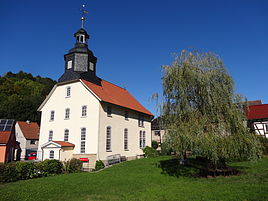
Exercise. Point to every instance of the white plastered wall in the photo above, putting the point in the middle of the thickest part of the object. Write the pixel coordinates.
(22, 140)
(118, 123)
(59, 102)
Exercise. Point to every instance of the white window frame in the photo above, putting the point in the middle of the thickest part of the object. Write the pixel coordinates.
(108, 139)
(141, 121)
(52, 115)
(69, 64)
(126, 115)
(84, 110)
(83, 140)
(51, 154)
(50, 135)
(142, 140)
(67, 113)
(66, 135)
(126, 139)
(109, 111)
(68, 92)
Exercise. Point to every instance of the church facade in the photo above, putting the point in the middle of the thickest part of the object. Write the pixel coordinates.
(88, 118)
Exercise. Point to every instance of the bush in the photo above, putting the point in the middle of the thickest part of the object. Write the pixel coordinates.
(26, 170)
(165, 149)
(50, 167)
(150, 152)
(8, 172)
(154, 144)
(99, 165)
(264, 142)
(73, 165)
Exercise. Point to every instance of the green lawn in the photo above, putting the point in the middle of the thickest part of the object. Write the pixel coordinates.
(144, 179)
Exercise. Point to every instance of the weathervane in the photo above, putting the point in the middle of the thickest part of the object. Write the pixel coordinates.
(83, 12)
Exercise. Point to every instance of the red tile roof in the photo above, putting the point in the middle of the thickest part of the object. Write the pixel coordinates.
(64, 144)
(111, 93)
(255, 102)
(257, 112)
(30, 130)
(4, 137)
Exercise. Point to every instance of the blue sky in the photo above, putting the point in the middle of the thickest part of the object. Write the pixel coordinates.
(133, 39)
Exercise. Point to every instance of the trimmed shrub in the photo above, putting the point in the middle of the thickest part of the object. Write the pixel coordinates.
(154, 144)
(150, 152)
(50, 167)
(73, 165)
(8, 172)
(99, 165)
(26, 170)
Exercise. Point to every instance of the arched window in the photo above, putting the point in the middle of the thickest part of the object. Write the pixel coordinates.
(84, 111)
(50, 135)
(68, 91)
(108, 138)
(143, 139)
(67, 113)
(52, 115)
(83, 140)
(51, 154)
(125, 139)
(140, 139)
(66, 135)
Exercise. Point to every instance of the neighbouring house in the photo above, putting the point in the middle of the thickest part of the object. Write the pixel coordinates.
(9, 147)
(89, 118)
(27, 134)
(257, 117)
(157, 132)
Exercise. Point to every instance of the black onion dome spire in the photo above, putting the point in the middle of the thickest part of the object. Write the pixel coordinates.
(80, 62)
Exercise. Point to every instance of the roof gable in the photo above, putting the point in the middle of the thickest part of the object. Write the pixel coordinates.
(29, 130)
(111, 93)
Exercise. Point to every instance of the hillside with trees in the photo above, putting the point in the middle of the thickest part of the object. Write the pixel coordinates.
(21, 94)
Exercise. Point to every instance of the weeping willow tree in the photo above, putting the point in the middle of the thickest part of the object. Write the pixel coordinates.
(201, 113)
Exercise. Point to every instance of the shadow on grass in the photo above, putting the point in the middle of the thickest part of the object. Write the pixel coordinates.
(173, 167)
(196, 168)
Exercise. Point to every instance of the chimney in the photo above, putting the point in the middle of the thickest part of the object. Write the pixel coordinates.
(27, 121)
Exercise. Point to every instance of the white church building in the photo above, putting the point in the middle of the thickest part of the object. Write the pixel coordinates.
(89, 118)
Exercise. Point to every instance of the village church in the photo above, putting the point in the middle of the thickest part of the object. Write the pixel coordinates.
(89, 118)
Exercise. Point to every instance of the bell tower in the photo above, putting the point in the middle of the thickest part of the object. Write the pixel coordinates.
(80, 62)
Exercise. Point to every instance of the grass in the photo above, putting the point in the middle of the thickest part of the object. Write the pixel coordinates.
(145, 179)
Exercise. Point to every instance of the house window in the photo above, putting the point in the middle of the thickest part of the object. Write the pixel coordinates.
(266, 128)
(83, 140)
(126, 115)
(125, 139)
(109, 111)
(51, 154)
(52, 115)
(84, 111)
(157, 133)
(69, 64)
(66, 135)
(32, 142)
(141, 121)
(142, 139)
(68, 91)
(67, 113)
(50, 135)
(108, 138)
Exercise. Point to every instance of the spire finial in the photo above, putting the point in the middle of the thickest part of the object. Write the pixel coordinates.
(83, 12)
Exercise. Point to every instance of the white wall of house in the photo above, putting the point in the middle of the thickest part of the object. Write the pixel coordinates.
(261, 128)
(118, 123)
(58, 102)
(22, 140)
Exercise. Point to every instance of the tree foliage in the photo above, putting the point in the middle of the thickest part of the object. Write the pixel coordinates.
(21, 94)
(201, 112)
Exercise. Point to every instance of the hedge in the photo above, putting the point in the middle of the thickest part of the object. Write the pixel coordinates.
(14, 171)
